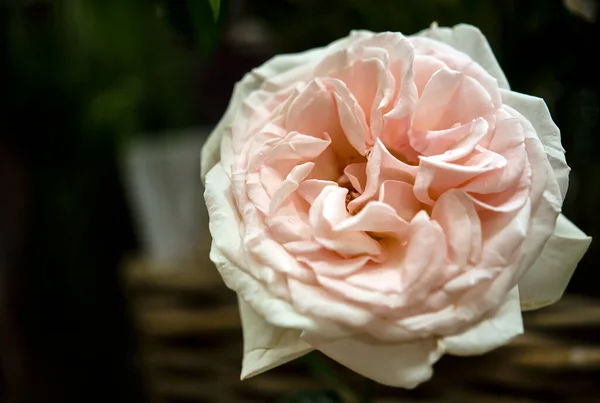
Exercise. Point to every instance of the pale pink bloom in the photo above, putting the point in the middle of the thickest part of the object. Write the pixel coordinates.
(386, 200)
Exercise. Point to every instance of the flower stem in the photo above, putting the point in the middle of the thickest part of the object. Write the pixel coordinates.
(368, 391)
(319, 365)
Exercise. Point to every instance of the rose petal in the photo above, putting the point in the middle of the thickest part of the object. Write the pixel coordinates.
(545, 195)
(382, 166)
(296, 148)
(327, 263)
(313, 111)
(404, 365)
(458, 218)
(453, 143)
(545, 282)
(228, 255)
(310, 189)
(507, 140)
(470, 40)
(315, 302)
(436, 175)
(374, 217)
(536, 112)
(274, 74)
(329, 210)
(352, 117)
(451, 97)
(424, 257)
(351, 69)
(425, 66)
(400, 196)
(289, 185)
(267, 346)
(356, 174)
(211, 153)
(284, 69)
(492, 332)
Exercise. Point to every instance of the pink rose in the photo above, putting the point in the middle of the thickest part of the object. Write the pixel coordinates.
(386, 200)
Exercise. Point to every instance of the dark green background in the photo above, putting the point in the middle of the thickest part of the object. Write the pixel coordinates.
(80, 78)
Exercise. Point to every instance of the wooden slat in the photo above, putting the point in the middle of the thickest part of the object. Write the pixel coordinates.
(559, 357)
(181, 276)
(220, 361)
(196, 389)
(532, 339)
(177, 322)
(580, 315)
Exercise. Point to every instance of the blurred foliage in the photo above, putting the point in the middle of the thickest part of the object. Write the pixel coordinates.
(216, 6)
(205, 23)
(82, 78)
(308, 23)
(127, 65)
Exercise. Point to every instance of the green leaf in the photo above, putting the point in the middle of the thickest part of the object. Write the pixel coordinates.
(206, 28)
(216, 6)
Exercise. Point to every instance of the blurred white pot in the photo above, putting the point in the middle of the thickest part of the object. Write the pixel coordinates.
(165, 194)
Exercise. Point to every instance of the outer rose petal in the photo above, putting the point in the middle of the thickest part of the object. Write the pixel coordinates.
(211, 154)
(470, 40)
(536, 111)
(404, 365)
(545, 282)
(492, 332)
(267, 346)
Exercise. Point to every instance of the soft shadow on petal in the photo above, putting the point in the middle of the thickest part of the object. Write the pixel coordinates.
(458, 218)
(425, 66)
(329, 210)
(545, 282)
(382, 166)
(470, 40)
(267, 346)
(377, 217)
(450, 97)
(404, 365)
(493, 331)
(536, 111)
(399, 196)
(437, 176)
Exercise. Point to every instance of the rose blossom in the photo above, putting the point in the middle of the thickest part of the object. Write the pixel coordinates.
(386, 200)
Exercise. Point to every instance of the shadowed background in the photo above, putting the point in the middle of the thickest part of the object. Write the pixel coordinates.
(84, 80)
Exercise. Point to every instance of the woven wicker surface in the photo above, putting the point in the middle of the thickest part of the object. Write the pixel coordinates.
(191, 350)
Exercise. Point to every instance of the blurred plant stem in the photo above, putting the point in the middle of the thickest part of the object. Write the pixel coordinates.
(215, 5)
(320, 366)
(206, 24)
(368, 391)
